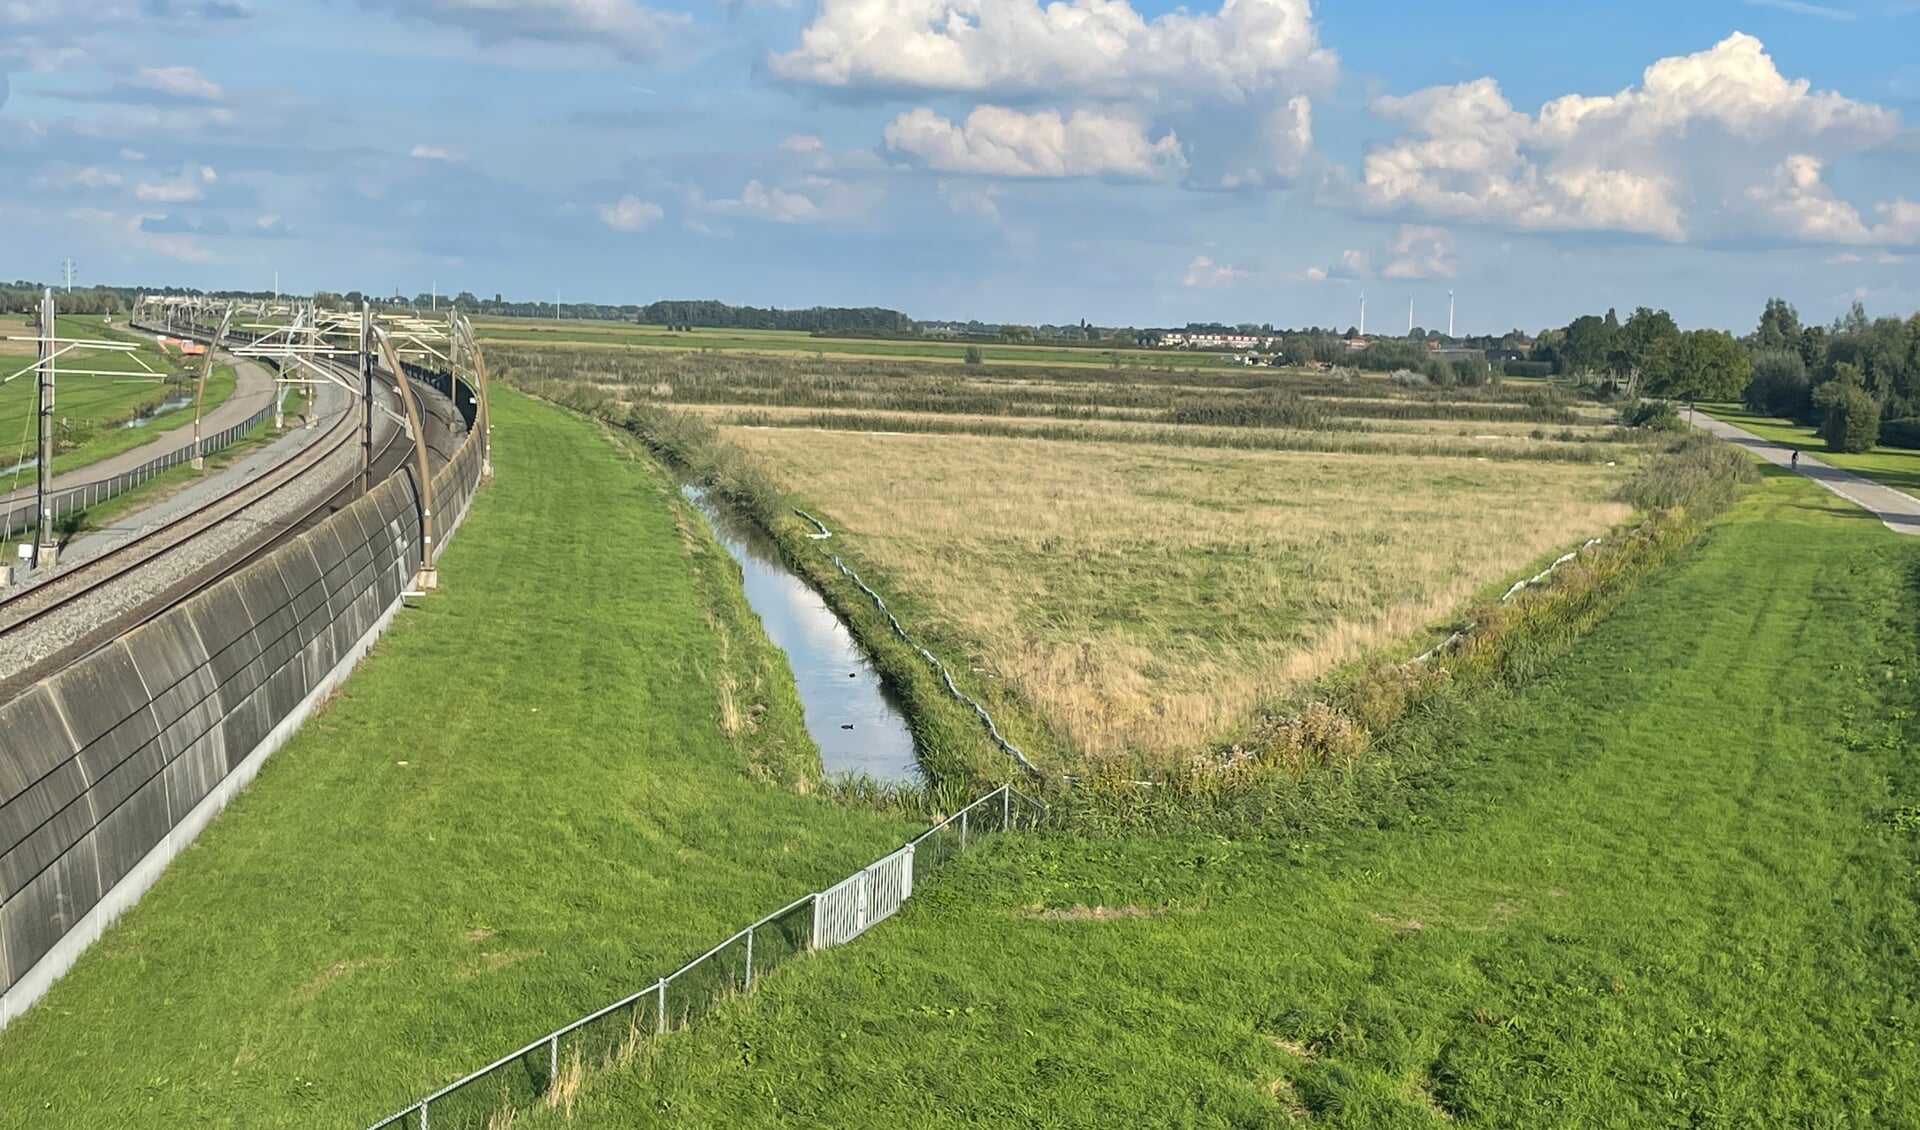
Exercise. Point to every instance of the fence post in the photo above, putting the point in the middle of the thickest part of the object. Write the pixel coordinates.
(813, 936)
(963, 827)
(423, 1114)
(749, 957)
(660, 1010)
(1006, 808)
(553, 1060)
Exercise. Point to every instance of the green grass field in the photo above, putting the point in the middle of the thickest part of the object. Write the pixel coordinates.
(522, 806)
(1671, 883)
(574, 332)
(1892, 466)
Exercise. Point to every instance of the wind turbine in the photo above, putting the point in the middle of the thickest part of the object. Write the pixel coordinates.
(1449, 313)
(1363, 313)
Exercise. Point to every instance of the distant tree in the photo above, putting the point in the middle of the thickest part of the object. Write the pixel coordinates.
(1779, 386)
(1779, 326)
(1698, 365)
(1588, 341)
(1635, 341)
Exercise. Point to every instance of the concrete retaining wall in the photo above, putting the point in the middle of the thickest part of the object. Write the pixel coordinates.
(112, 766)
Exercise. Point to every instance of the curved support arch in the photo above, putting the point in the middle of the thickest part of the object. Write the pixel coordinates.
(200, 394)
(429, 577)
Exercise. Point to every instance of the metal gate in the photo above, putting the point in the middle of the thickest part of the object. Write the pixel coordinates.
(843, 911)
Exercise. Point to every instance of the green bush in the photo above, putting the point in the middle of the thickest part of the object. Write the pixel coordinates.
(1900, 433)
(974, 356)
(1851, 420)
(1654, 416)
(1528, 368)
(1697, 474)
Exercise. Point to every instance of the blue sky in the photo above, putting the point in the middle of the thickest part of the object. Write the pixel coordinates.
(1254, 160)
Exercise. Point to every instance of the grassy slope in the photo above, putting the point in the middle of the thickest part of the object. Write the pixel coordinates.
(520, 807)
(1647, 891)
(1894, 467)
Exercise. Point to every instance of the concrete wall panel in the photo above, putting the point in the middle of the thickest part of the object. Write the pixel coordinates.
(125, 835)
(106, 708)
(34, 920)
(33, 741)
(42, 822)
(194, 773)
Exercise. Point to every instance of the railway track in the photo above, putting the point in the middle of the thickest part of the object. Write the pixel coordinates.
(52, 607)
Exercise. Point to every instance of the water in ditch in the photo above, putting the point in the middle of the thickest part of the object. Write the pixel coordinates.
(170, 404)
(855, 721)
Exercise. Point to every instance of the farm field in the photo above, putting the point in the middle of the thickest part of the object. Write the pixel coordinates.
(1149, 598)
(574, 332)
(1649, 889)
(1892, 466)
(1147, 564)
(547, 785)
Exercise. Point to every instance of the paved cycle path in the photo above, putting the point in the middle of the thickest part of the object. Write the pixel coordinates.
(1899, 510)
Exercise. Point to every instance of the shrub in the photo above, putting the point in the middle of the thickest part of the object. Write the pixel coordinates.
(1698, 474)
(1654, 416)
(1900, 433)
(1851, 422)
(1471, 372)
(1407, 378)
(974, 356)
(1273, 409)
(1528, 368)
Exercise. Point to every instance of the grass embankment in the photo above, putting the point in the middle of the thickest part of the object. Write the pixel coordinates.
(548, 786)
(598, 334)
(1890, 466)
(1670, 882)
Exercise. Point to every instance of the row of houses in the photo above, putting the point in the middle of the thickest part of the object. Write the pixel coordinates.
(1197, 339)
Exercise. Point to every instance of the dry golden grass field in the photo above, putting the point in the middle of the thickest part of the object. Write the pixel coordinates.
(1149, 599)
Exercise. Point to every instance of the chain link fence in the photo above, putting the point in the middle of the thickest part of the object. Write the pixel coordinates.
(67, 501)
(610, 1037)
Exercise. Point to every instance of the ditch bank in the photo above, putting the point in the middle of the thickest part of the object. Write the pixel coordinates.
(109, 768)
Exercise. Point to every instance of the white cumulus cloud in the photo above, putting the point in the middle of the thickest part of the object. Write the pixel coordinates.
(1421, 252)
(997, 141)
(1203, 272)
(425, 152)
(190, 185)
(1091, 48)
(179, 82)
(1717, 144)
(630, 213)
